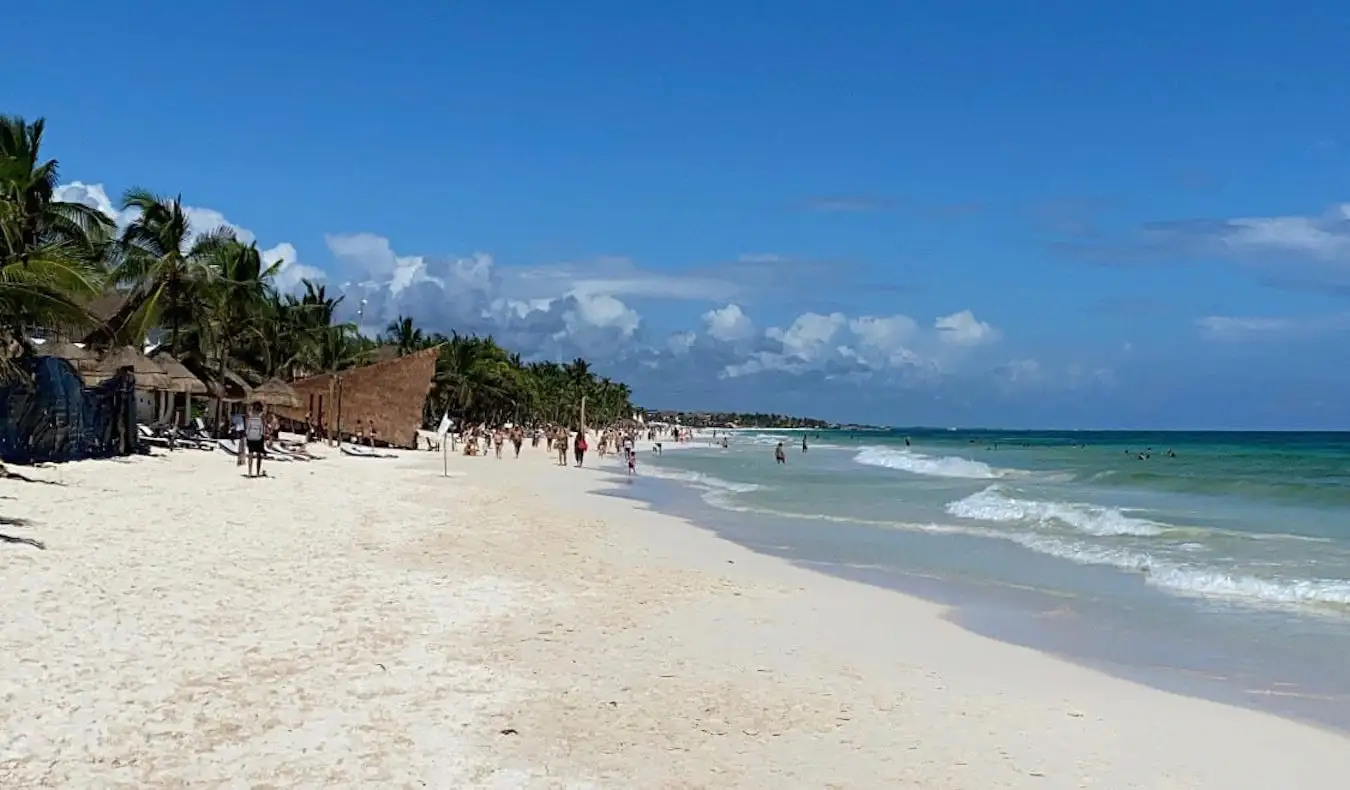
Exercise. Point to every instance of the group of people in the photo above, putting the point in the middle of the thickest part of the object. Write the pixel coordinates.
(482, 440)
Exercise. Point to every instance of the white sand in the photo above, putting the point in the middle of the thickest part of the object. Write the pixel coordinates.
(368, 623)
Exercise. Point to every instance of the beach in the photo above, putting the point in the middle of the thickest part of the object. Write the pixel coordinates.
(357, 622)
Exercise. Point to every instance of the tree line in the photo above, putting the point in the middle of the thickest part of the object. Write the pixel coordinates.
(210, 298)
(717, 419)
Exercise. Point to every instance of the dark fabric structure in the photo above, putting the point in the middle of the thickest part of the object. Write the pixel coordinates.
(49, 415)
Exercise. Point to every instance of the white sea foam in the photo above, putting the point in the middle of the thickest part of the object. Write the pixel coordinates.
(1195, 580)
(1170, 574)
(709, 483)
(992, 504)
(919, 464)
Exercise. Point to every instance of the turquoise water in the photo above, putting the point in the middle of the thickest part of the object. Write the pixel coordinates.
(1208, 563)
(1254, 519)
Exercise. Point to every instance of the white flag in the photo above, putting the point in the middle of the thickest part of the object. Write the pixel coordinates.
(444, 427)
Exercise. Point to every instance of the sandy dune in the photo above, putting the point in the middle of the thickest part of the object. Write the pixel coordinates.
(369, 623)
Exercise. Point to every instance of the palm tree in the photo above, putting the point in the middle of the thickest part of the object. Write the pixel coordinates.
(215, 298)
(405, 335)
(163, 262)
(231, 296)
(51, 251)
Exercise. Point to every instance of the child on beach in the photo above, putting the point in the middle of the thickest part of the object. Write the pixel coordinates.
(632, 463)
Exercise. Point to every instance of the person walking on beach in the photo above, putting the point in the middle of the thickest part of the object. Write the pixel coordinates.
(579, 448)
(517, 438)
(255, 439)
(779, 455)
(560, 444)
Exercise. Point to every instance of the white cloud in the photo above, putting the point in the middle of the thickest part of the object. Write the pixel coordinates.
(1325, 237)
(729, 324)
(594, 308)
(1019, 373)
(200, 221)
(963, 329)
(1228, 329)
(91, 195)
(681, 342)
(842, 347)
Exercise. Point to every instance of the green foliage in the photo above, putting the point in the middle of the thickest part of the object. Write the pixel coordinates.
(735, 419)
(478, 381)
(52, 253)
(218, 304)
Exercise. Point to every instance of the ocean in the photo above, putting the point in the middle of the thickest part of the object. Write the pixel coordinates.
(1213, 564)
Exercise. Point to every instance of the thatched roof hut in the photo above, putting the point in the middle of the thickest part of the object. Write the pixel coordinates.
(149, 374)
(81, 358)
(184, 380)
(276, 393)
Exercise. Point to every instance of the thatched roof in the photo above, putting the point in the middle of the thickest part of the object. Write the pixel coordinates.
(106, 305)
(276, 393)
(112, 310)
(149, 374)
(184, 380)
(206, 370)
(82, 358)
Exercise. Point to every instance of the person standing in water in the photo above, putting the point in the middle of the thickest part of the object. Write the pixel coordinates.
(803, 443)
(779, 455)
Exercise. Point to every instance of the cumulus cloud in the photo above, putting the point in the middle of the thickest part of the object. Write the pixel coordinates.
(555, 310)
(200, 221)
(963, 329)
(596, 307)
(729, 324)
(838, 346)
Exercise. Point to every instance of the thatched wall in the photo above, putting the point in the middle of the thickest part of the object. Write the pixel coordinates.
(388, 395)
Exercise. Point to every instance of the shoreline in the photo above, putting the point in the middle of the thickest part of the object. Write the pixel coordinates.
(360, 622)
(1089, 633)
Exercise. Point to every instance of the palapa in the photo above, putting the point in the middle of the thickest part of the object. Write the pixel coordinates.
(183, 379)
(149, 374)
(276, 393)
(81, 358)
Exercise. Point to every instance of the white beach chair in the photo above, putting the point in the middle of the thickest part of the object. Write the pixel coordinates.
(357, 451)
(148, 436)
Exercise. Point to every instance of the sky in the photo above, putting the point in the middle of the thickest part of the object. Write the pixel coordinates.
(1063, 214)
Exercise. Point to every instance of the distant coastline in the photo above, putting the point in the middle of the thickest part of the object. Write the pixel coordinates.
(717, 419)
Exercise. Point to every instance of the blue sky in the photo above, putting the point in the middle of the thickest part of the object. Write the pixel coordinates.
(1068, 214)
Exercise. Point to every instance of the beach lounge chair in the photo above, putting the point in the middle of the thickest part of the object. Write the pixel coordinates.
(358, 451)
(230, 446)
(277, 451)
(147, 436)
(299, 450)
